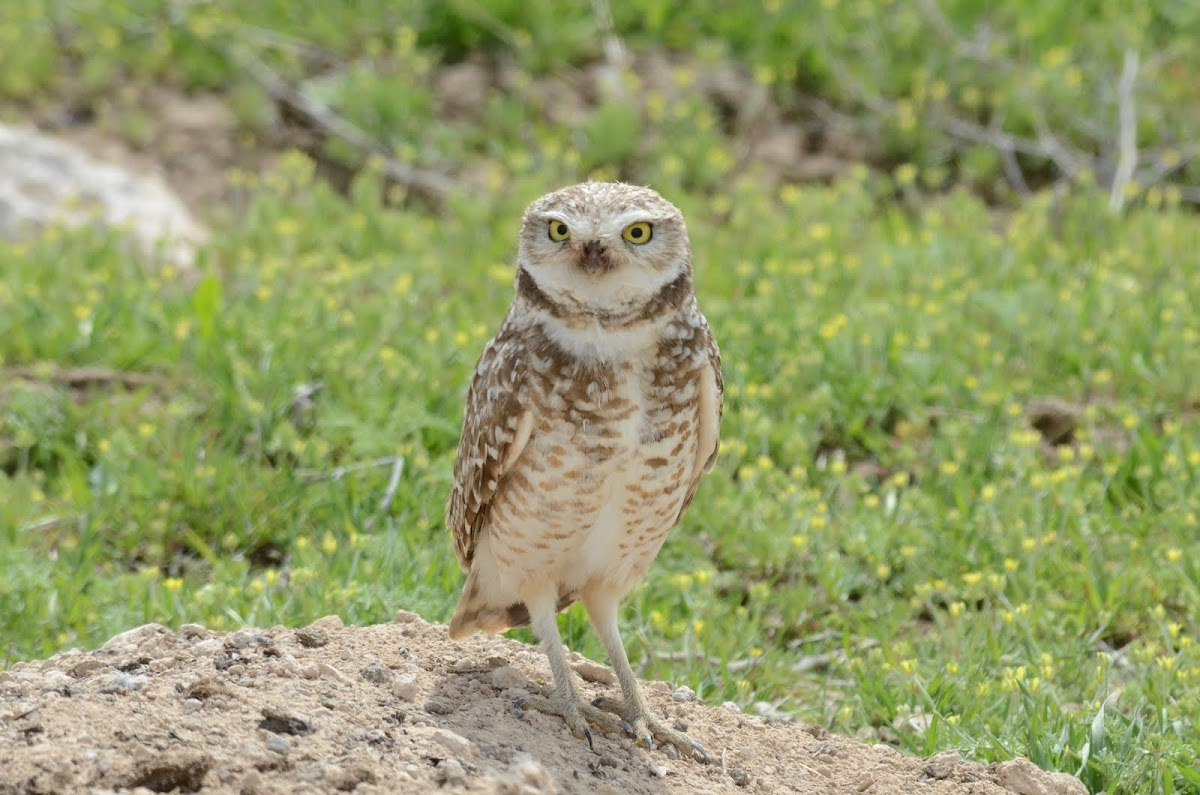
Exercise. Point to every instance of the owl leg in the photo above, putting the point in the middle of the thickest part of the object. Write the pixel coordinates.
(563, 700)
(602, 608)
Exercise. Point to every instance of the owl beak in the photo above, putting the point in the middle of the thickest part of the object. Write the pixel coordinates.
(594, 258)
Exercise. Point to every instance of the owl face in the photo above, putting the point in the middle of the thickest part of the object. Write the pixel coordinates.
(603, 248)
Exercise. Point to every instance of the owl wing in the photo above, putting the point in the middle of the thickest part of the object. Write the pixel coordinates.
(711, 408)
(496, 428)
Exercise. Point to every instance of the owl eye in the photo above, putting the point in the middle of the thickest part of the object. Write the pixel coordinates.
(559, 231)
(638, 233)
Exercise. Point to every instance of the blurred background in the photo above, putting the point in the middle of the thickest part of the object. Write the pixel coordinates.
(949, 249)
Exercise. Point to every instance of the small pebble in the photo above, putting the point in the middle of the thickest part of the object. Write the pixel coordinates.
(684, 694)
(450, 772)
(123, 683)
(454, 743)
(377, 673)
(312, 637)
(57, 680)
(85, 668)
(252, 783)
(329, 672)
(278, 720)
(439, 706)
(238, 640)
(278, 744)
(317, 633)
(406, 617)
(506, 677)
(193, 632)
(287, 666)
(404, 687)
(207, 647)
(659, 771)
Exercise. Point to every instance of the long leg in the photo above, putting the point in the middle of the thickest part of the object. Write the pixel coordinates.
(602, 606)
(563, 701)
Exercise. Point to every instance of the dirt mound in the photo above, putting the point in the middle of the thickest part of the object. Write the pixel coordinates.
(399, 708)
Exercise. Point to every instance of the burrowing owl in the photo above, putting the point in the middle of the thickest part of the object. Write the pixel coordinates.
(591, 417)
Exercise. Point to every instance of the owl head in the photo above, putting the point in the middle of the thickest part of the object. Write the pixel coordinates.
(604, 249)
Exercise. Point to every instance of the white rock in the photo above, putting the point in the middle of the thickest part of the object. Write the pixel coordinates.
(45, 181)
(506, 677)
(404, 687)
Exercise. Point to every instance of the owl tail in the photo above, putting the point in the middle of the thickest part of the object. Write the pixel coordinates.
(474, 614)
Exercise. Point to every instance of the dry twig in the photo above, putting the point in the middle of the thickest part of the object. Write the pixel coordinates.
(82, 377)
(1127, 153)
(432, 185)
(317, 475)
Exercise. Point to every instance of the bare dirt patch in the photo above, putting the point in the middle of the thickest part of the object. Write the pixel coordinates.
(400, 708)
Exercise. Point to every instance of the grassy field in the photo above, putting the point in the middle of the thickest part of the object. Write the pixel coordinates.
(958, 504)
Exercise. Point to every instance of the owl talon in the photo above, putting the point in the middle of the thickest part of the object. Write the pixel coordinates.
(646, 730)
(577, 716)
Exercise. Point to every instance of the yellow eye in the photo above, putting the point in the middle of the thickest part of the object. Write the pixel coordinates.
(638, 233)
(559, 231)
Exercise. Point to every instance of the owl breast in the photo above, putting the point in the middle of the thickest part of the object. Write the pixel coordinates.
(602, 480)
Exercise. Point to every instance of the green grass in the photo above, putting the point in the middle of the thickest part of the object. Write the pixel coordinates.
(910, 74)
(882, 496)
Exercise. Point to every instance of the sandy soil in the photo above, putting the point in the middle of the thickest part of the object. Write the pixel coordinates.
(400, 708)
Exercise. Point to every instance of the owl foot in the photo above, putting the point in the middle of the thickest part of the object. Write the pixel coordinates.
(577, 716)
(646, 728)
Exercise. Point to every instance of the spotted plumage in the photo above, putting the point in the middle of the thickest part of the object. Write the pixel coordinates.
(591, 417)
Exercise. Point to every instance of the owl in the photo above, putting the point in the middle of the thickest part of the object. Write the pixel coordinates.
(591, 417)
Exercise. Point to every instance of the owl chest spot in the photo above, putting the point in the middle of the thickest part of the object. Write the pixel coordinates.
(607, 433)
(612, 472)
